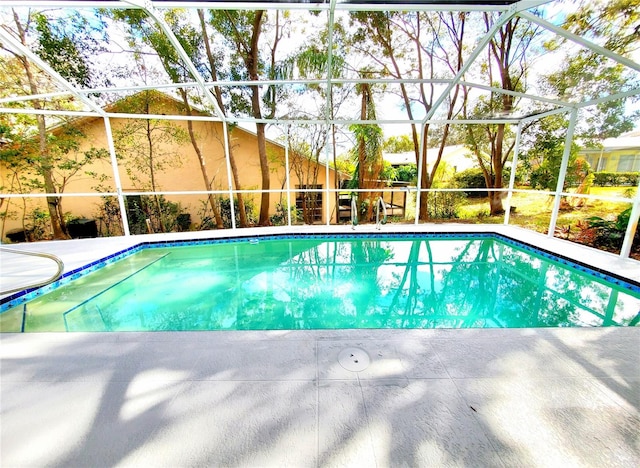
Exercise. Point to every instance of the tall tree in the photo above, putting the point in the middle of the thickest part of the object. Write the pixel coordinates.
(306, 144)
(415, 45)
(214, 73)
(506, 68)
(312, 62)
(546, 151)
(242, 29)
(369, 141)
(145, 145)
(140, 26)
(57, 40)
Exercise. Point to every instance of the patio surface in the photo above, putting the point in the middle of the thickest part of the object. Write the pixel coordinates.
(491, 397)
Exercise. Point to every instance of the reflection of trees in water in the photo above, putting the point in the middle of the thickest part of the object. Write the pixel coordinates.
(333, 284)
(500, 285)
(426, 283)
(367, 257)
(491, 284)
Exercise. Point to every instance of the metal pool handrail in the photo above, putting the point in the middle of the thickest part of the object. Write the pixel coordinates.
(354, 211)
(39, 283)
(379, 221)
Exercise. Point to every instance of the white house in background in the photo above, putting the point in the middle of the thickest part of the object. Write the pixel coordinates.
(457, 157)
(620, 154)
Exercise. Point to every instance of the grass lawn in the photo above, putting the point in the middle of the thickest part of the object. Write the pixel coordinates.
(533, 211)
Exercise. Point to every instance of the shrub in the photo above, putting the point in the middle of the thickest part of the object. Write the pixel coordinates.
(471, 178)
(444, 205)
(280, 217)
(161, 213)
(407, 173)
(605, 234)
(225, 211)
(616, 179)
(109, 214)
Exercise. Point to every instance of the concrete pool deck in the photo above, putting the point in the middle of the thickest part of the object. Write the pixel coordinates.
(490, 397)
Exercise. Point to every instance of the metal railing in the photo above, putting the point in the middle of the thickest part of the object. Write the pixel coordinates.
(379, 221)
(55, 277)
(354, 211)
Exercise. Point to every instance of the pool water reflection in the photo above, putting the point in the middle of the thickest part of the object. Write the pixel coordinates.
(321, 283)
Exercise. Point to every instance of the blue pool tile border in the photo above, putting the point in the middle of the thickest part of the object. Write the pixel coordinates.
(29, 294)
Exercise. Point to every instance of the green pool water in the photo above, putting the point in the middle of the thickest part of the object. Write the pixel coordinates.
(328, 284)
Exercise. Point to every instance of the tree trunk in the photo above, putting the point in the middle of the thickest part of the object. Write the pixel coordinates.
(264, 169)
(495, 197)
(201, 160)
(251, 61)
(57, 221)
(152, 172)
(425, 182)
(242, 212)
(53, 203)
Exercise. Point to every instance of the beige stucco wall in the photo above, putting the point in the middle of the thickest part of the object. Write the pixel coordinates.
(186, 175)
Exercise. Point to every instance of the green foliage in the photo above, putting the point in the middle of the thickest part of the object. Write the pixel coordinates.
(241, 30)
(148, 146)
(370, 136)
(280, 217)
(142, 29)
(37, 225)
(545, 176)
(407, 173)
(108, 213)
(58, 48)
(607, 234)
(603, 179)
(68, 42)
(587, 74)
(398, 144)
(162, 214)
(614, 20)
(543, 159)
(445, 205)
(312, 62)
(388, 172)
(208, 222)
(225, 211)
(471, 178)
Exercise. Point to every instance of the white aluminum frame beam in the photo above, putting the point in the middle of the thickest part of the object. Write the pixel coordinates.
(205, 118)
(632, 227)
(329, 105)
(148, 7)
(580, 40)
(339, 6)
(563, 173)
(329, 82)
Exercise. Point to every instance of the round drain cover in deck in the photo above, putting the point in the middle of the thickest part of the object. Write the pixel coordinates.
(354, 359)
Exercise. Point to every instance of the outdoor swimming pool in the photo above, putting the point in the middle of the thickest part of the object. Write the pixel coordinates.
(329, 282)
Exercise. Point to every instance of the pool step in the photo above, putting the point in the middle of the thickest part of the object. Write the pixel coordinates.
(51, 307)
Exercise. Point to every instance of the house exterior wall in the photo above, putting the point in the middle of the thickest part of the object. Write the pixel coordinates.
(619, 160)
(181, 170)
